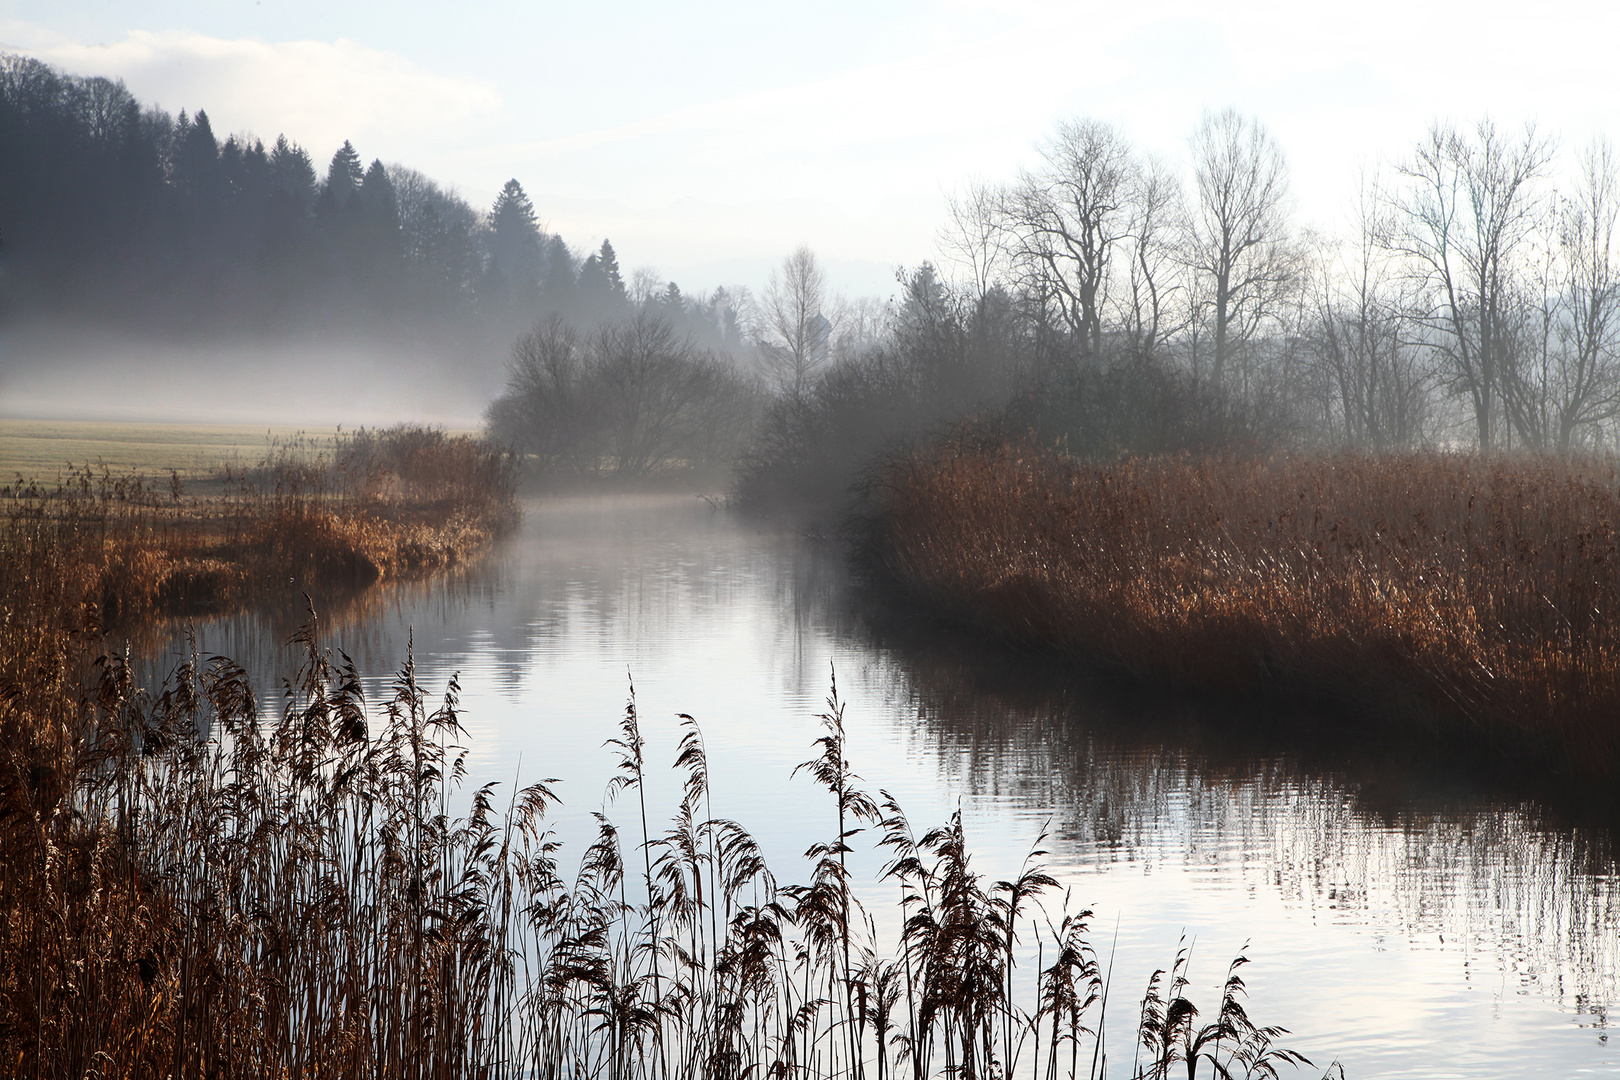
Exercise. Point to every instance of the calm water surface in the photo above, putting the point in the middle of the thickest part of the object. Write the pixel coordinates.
(1407, 924)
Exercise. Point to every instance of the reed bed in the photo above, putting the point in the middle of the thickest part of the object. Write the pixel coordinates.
(196, 886)
(200, 883)
(1478, 590)
(119, 549)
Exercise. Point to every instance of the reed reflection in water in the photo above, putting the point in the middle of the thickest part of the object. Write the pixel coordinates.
(1409, 919)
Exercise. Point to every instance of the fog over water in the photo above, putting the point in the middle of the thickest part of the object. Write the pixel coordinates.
(1411, 922)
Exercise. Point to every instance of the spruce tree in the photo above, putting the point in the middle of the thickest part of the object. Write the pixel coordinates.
(610, 273)
(514, 271)
(557, 283)
(380, 246)
(344, 175)
(196, 158)
(292, 172)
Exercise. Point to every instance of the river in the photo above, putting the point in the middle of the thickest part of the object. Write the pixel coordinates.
(1406, 920)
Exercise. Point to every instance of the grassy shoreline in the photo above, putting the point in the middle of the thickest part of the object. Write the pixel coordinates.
(96, 549)
(1466, 592)
(200, 885)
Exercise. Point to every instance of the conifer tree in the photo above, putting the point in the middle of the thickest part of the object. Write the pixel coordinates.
(514, 270)
(196, 157)
(379, 206)
(601, 288)
(379, 247)
(344, 175)
(292, 172)
(557, 283)
(610, 273)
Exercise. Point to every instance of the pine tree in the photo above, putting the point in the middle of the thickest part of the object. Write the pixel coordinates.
(379, 206)
(380, 244)
(557, 283)
(344, 175)
(514, 270)
(610, 273)
(601, 289)
(196, 158)
(292, 172)
(337, 211)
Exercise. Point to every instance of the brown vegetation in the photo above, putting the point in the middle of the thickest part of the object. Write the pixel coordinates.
(198, 886)
(194, 888)
(99, 550)
(1482, 585)
(101, 901)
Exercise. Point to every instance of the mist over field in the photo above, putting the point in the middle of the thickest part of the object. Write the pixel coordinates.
(60, 373)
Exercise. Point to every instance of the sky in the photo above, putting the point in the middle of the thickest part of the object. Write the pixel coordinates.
(709, 140)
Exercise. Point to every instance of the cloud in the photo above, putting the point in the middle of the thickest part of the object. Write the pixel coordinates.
(319, 93)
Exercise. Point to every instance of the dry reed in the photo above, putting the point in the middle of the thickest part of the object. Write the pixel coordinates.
(1482, 585)
(369, 505)
(195, 889)
(97, 895)
(195, 885)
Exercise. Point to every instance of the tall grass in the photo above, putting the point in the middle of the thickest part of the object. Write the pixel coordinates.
(126, 842)
(120, 549)
(1483, 586)
(197, 883)
(193, 889)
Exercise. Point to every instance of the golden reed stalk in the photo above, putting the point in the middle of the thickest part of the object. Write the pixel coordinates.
(1484, 585)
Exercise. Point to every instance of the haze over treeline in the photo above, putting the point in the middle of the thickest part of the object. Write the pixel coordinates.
(121, 218)
(1118, 296)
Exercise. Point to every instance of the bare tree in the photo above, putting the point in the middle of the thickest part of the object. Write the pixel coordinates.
(974, 237)
(656, 395)
(1376, 384)
(1157, 219)
(1584, 372)
(542, 412)
(645, 284)
(794, 330)
(1238, 231)
(1066, 221)
(1461, 219)
(862, 324)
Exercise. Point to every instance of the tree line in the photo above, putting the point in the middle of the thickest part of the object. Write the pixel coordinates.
(1474, 301)
(122, 215)
(1113, 302)
(1107, 297)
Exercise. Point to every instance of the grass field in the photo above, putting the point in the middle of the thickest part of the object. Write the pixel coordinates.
(43, 450)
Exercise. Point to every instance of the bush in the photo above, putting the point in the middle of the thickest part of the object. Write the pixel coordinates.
(631, 399)
(957, 364)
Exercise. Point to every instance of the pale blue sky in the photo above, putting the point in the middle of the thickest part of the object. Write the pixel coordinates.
(707, 140)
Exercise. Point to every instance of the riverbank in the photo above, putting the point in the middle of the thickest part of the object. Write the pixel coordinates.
(1450, 591)
(92, 921)
(201, 885)
(93, 549)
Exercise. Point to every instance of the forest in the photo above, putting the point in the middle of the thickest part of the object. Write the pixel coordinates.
(125, 218)
(1102, 295)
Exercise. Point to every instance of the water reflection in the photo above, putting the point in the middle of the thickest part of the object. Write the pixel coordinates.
(1481, 873)
(1409, 917)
